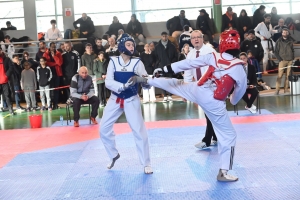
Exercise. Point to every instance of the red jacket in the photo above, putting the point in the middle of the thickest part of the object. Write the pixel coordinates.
(58, 60)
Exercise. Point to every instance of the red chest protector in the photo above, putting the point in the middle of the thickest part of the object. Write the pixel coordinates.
(225, 83)
(3, 77)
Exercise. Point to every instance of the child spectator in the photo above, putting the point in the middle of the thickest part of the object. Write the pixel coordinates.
(44, 76)
(254, 62)
(28, 84)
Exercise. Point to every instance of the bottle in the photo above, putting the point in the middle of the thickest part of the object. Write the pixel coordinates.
(61, 120)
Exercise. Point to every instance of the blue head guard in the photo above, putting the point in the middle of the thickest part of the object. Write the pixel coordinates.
(121, 44)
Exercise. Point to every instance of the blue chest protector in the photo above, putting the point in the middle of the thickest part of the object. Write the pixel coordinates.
(123, 77)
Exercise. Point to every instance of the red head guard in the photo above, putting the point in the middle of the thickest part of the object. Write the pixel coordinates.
(229, 40)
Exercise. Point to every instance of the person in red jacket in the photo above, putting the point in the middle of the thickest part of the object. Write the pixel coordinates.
(54, 61)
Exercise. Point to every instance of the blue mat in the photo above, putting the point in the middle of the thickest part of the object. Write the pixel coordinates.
(267, 162)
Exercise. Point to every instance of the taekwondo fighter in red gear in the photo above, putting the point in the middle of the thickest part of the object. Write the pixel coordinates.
(124, 98)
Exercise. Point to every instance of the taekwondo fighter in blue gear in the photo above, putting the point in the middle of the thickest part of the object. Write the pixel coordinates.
(124, 98)
(224, 73)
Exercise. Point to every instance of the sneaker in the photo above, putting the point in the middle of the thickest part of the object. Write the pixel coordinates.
(165, 99)
(76, 124)
(43, 108)
(94, 121)
(34, 109)
(19, 109)
(201, 145)
(170, 98)
(225, 177)
(252, 110)
(28, 109)
(253, 106)
(213, 143)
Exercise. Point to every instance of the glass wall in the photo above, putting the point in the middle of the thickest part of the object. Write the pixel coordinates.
(12, 11)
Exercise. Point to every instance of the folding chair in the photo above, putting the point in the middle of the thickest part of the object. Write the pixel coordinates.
(69, 104)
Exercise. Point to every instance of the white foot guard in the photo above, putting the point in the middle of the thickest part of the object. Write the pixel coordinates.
(224, 177)
(113, 161)
(148, 170)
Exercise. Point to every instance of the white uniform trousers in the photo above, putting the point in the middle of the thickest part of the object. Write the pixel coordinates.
(264, 44)
(214, 109)
(133, 113)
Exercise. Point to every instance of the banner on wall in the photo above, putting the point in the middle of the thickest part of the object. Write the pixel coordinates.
(68, 12)
(217, 2)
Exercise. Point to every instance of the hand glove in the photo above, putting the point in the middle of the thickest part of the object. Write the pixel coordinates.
(158, 73)
(138, 79)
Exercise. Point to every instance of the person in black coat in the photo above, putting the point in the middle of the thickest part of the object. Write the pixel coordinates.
(204, 24)
(135, 29)
(244, 23)
(274, 17)
(87, 27)
(258, 15)
(251, 82)
(254, 45)
(175, 25)
(229, 20)
(115, 27)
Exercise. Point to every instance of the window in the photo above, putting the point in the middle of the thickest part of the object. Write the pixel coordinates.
(12, 11)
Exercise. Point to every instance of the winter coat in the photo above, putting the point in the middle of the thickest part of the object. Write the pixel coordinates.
(255, 47)
(134, 27)
(114, 28)
(88, 61)
(227, 22)
(284, 49)
(54, 62)
(99, 69)
(87, 25)
(174, 24)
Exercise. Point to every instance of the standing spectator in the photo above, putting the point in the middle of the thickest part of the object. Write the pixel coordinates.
(264, 31)
(204, 24)
(54, 61)
(112, 50)
(70, 66)
(251, 84)
(229, 20)
(16, 79)
(98, 46)
(7, 46)
(284, 52)
(135, 29)
(33, 64)
(279, 28)
(176, 24)
(254, 45)
(244, 24)
(82, 92)
(28, 83)
(152, 46)
(115, 27)
(148, 60)
(61, 48)
(258, 15)
(185, 37)
(274, 17)
(41, 51)
(100, 68)
(87, 60)
(6, 69)
(9, 26)
(53, 33)
(184, 52)
(87, 27)
(165, 53)
(44, 76)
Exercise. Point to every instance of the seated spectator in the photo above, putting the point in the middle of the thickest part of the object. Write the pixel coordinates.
(86, 28)
(112, 49)
(44, 77)
(9, 26)
(7, 46)
(135, 29)
(258, 15)
(98, 46)
(244, 24)
(148, 60)
(16, 80)
(274, 17)
(251, 82)
(115, 27)
(33, 63)
(184, 52)
(41, 51)
(29, 85)
(120, 32)
(53, 33)
(99, 69)
(279, 27)
(82, 92)
(204, 24)
(185, 37)
(254, 62)
(229, 20)
(176, 24)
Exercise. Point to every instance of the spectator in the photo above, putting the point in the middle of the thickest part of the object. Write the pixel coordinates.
(229, 20)
(54, 61)
(274, 17)
(152, 46)
(16, 79)
(279, 28)
(251, 84)
(185, 38)
(135, 29)
(148, 59)
(165, 53)
(44, 76)
(115, 27)
(204, 24)
(176, 24)
(9, 26)
(6, 70)
(120, 32)
(7, 46)
(82, 92)
(184, 51)
(53, 33)
(70, 66)
(33, 64)
(98, 46)
(284, 52)
(254, 45)
(244, 24)
(87, 27)
(61, 48)
(112, 50)
(264, 31)
(28, 83)
(252, 61)
(246, 36)
(258, 15)
(41, 51)
(100, 68)
(87, 60)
